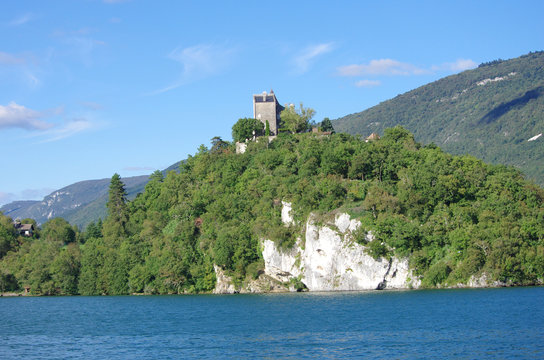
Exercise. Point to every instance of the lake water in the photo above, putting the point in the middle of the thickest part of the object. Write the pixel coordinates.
(468, 324)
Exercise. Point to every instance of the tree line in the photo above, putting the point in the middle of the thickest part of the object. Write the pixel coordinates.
(454, 217)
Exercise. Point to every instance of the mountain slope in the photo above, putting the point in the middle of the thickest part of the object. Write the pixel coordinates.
(490, 112)
(79, 203)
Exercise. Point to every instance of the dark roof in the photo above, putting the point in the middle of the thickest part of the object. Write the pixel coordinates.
(26, 227)
(259, 98)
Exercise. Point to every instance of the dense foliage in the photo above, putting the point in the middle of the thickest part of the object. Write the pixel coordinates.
(454, 216)
(296, 121)
(247, 128)
(489, 112)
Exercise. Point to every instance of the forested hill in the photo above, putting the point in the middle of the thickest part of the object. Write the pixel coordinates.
(490, 112)
(454, 217)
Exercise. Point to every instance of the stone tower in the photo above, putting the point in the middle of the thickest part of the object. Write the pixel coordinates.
(266, 107)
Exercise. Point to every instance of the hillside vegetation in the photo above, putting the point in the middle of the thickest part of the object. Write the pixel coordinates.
(454, 217)
(490, 112)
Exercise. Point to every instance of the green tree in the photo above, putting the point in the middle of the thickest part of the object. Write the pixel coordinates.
(218, 144)
(8, 235)
(297, 121)
(65, 270)
(58, 230)
(91, 281)
(326, 125)
(114, 227)
(93, 230)
(245, 128)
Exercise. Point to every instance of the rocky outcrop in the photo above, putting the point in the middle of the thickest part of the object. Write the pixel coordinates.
(286, 216)
(328, 259)
(263, 284)
(223, 283)
(483, 280)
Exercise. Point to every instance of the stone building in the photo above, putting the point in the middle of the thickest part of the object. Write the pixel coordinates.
(267, 108)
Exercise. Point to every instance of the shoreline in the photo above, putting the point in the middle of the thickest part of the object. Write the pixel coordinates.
(12, 294)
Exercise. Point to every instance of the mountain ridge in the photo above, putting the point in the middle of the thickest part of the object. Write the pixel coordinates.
(489, 112)
(79, 203)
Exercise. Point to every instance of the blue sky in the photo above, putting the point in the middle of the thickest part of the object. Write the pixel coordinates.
(90, 88)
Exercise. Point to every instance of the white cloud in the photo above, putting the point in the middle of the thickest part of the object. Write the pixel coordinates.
(14, 115)
(460, 65)
(303, 60)
(381, 67)
(368, 83)
(18, 116)
(199, 61)
(390, 67)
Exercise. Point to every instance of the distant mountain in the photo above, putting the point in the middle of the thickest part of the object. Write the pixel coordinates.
(79, 203)
(83, 201)
(494, 112)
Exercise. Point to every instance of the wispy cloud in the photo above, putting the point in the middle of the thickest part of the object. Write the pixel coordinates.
(368, 83)
(390, 67)
(31, 79)
(84, 47)
(23, 66)
(66, 130)
(79, 43)
(199, 62)
(10, 59)
(458, 65)
(18, 116)
(381, 67)
(305, 58)
(14, 115)
(21, 20)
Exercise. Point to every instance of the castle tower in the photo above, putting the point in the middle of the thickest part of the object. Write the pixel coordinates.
(266, 107)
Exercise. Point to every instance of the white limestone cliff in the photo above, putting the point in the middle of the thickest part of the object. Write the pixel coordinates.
(327, 259)
(223, 282)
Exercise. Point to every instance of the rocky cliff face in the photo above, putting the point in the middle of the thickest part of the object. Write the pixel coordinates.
(326, 258)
